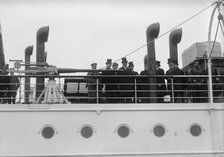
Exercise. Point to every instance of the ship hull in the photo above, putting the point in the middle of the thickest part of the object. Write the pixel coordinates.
(111, 130)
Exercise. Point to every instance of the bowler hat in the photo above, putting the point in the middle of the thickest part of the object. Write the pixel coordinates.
(170, 60)
(158, 63)
(115, 64)
(93, 64)
(109, 61)
(175, 61)
(131, 64)
(124, 60)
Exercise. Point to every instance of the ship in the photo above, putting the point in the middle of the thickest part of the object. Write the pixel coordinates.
(52, 115)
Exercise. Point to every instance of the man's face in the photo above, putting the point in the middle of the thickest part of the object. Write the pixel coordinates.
(115, 67)
(108, 65)
(94, 66)
(125, 64)
(171, 65)
(146, 67)
(196, 64)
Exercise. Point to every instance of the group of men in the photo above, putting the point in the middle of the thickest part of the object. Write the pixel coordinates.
(8, 86)
(117, 89)
(122, 85)
(199, 86)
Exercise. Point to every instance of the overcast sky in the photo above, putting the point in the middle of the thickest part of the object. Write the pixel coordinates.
(86, 31)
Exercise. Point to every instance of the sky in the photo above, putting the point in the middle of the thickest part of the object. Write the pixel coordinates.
(85, 31)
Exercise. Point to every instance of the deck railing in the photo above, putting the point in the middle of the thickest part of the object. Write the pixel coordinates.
(110, 89)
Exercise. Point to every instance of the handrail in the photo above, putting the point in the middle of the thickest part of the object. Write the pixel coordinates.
(136, 91)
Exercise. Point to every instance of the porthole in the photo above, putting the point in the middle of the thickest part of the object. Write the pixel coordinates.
(159, 130)
(48, 132)
(86, 131)
(195, 130)
(123, 131)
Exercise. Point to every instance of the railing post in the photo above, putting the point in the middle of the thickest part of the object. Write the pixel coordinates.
(20, 90)
(136, 100)
(172, 90)
(97, 90)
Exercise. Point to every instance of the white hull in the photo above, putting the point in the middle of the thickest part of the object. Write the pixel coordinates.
(21, 129)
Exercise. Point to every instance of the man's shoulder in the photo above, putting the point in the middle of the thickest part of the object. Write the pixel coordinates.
(169, 72)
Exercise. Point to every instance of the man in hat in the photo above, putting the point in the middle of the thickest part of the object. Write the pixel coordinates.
(133, 81)
(113, 87)
(198, 86)
(92, 84)
(108, 64)
(115, 66)
(144, 86)
(160, 83)
(124, 63)
(178, 82)
(131, 69)
(108, 81)
(123, 81)
(169, 72)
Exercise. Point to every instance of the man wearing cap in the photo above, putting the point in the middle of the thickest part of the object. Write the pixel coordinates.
(133, 81)
(92, 84)
(123, 82)
(178, 82)
(160, 83)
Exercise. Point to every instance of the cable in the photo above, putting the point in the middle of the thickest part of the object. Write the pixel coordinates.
(168, 31)
(222, 29)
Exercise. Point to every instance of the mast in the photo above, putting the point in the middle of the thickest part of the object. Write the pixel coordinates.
(218, 3)
(214, 127)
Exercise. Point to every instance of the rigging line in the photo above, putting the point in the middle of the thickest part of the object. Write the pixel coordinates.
(222, 29)
(213, 44)
(220, 17)
(168, 31)
(185, 21)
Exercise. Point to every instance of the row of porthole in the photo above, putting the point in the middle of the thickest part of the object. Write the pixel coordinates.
(123, 131)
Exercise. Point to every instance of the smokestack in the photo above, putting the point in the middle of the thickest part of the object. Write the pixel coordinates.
(2, 56)
(28, 53)
(152, 32)
(174, 39)
(42, 37)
